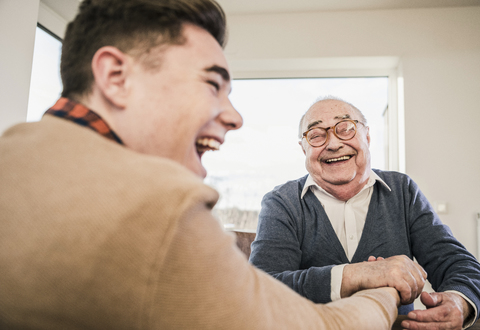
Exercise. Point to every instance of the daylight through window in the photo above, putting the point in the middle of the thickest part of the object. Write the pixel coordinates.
(45, 83)
(265, 153)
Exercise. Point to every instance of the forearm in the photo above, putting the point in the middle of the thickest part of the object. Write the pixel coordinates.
(206, 283)
(451, 267)
(380, 304)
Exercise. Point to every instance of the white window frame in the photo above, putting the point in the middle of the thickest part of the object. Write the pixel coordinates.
(342, 67)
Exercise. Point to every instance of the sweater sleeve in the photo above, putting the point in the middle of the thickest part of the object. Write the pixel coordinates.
(277, 250)
(205, 282)
(448, 263)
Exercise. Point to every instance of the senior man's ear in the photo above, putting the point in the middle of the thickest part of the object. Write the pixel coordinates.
(301, 145)
(368, 135)
(109, 67)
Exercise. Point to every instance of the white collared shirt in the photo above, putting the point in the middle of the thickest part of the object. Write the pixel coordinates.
(347, 219)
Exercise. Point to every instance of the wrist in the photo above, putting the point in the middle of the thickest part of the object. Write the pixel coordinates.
(350, 284)
(467, 309)
(394, 293)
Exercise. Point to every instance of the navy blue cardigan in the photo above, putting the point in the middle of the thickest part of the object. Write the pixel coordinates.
(297, 244)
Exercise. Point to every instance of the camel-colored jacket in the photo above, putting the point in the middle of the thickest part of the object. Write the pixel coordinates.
(96, 236)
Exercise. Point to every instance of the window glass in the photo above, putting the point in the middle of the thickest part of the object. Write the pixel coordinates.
(265, 153)
(45, 83)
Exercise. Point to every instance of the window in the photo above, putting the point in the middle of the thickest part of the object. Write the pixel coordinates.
(251, 162)
(45, 84)
(265, 153)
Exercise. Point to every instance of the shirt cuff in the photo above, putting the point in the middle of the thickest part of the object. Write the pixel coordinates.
(470, 320)
(336, 274)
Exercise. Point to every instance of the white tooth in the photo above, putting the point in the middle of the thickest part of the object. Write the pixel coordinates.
(338, 159)
(214, 144)
(210, 143)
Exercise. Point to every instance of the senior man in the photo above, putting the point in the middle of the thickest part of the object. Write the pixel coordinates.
(345, 227)
(105, 222)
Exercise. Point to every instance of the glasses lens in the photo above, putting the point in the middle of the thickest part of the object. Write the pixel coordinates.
(345, 130)
(317, 136)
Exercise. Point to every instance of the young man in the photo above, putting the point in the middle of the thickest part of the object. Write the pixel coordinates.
(105, 221)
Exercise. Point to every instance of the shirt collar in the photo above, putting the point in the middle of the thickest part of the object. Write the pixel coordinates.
(371, 181)
(81, 115)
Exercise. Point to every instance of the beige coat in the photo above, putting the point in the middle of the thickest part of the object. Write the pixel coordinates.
(95, 236)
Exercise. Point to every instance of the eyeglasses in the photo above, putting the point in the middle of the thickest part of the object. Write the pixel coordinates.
(344, 130)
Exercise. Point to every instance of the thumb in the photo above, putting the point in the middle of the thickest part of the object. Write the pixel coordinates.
(429, 299)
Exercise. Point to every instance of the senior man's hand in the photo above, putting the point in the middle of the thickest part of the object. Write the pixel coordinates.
(398, 272)
(445, 310)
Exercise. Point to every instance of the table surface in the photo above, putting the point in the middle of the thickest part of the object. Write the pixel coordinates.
(396, 324)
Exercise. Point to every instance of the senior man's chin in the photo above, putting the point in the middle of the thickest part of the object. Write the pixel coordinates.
(339, 178)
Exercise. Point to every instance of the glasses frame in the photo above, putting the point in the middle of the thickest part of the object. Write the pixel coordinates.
(334, 130)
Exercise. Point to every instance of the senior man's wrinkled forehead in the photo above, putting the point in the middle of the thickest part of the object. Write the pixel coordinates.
(350, 112)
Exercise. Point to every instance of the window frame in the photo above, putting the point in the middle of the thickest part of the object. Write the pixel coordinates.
(46, 30)
(342, 67)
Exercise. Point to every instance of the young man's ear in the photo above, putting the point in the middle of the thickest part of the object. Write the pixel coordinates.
(109, 67)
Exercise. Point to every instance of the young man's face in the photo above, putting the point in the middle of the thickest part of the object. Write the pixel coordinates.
(181, 109)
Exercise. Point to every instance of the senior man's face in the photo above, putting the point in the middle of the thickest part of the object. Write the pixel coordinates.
(182, 109)
(336, 163)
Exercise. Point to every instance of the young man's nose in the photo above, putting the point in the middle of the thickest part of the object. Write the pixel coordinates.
(230, 117)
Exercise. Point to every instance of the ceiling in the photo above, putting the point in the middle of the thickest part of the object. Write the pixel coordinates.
(67, 8)
(282, 6)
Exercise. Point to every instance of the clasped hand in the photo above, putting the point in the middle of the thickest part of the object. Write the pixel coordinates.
(445, 310)
(398, 272)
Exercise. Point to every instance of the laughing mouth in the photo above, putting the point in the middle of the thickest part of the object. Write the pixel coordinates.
(333, 160)
(207, 144)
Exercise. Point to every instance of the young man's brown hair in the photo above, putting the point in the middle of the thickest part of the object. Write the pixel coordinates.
(132, 26)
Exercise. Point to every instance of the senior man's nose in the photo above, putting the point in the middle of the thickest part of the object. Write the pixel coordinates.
(333, 142)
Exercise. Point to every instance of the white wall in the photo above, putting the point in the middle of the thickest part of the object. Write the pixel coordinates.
(439, 51)
(17, 25)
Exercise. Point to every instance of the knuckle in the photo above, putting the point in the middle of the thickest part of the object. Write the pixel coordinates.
(404, 259)
(438, 317)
